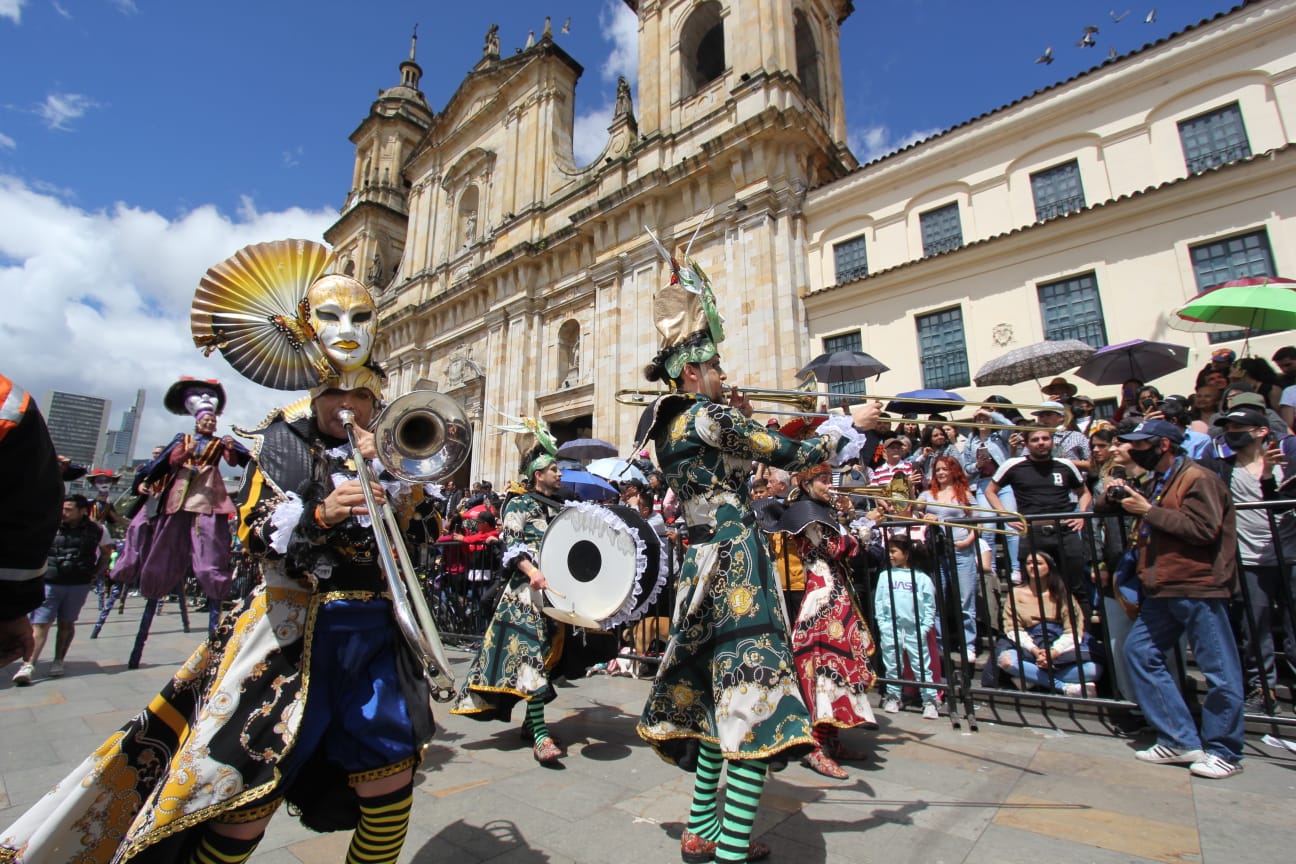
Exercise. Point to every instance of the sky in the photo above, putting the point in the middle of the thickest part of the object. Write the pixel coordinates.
(143, 141)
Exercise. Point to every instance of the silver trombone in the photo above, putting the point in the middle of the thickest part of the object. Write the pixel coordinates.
(422, 436)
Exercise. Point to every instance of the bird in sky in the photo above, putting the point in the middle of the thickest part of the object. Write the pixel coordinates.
(1151, 17)
(566, 28)
(1117, 18)
(1046, 57)
(1087, 40)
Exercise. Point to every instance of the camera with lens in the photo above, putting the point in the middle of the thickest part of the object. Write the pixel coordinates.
(1117, 493)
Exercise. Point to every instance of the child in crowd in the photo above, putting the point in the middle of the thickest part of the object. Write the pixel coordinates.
(905, 606)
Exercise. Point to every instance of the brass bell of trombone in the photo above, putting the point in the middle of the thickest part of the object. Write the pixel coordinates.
(423, 436)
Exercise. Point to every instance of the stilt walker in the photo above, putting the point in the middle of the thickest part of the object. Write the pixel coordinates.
(189, 528)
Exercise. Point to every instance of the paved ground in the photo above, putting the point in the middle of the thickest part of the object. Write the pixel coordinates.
(1006, 793)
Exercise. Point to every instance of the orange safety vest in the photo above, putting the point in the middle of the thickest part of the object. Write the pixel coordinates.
(14, 402)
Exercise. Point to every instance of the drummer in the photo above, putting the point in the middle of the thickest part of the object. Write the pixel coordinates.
(727, 687)
(521, 645)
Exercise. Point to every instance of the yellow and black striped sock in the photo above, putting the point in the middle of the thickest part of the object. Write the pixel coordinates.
(216, 848)
(381, 833)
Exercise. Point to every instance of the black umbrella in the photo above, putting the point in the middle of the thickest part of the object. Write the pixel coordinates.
(837, 367)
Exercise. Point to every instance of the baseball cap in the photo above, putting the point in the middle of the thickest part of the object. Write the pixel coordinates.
(1243, 398)
(894, 442)
(1046, 407)
(1080, 397)
(1154, 429)
(1223, 355)
(1244, 417)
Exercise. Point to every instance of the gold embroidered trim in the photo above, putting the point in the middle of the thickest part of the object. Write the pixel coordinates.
(381, 773)
(330, 596)
(250, 814)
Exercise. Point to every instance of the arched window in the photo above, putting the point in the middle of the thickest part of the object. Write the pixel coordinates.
(702, 48)
(466, 223)
(807, 59)
(348, 269)
(569, 351)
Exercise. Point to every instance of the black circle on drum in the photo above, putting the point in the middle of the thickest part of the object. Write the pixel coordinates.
(584, 561)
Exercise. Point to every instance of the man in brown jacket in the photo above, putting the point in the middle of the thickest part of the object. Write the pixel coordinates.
(1186, 537)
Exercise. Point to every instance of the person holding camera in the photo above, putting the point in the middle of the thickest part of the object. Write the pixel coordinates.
(1185, 542)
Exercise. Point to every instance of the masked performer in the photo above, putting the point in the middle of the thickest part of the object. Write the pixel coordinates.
(727, 680)
(103, 512)
(830, 642)
(308, 694)
(522, 645)
(188, 515)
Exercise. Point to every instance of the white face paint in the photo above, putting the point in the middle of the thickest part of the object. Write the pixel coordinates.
(102, 486)
(197, 400)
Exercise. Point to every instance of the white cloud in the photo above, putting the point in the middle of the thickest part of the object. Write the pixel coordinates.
(12, 9)
(619, 26)
(126, 7)
(292, 158)
(61, 108)
(871, 142)
(7, 143)
(58, 7)
(98, 302)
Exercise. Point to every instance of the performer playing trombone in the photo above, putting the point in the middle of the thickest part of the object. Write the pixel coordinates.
(308, 694)
(727, 681)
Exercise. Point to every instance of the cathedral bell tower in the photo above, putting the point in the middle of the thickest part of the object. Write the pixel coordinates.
(369, 238)
(699, 56)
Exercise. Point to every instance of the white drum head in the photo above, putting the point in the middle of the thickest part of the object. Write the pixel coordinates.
(589, 557)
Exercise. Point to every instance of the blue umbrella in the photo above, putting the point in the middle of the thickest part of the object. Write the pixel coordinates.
(587, 486)
(901, 405)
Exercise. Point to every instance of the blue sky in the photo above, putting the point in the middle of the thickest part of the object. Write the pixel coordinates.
(142, 141)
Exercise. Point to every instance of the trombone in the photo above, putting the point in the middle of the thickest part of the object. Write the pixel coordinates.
(422, 436)
(890, 494)
(805, 400)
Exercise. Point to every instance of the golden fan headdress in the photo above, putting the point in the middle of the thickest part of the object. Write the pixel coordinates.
(252, 307)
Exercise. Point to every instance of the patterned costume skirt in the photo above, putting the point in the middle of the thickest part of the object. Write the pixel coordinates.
(520, 648)
(727, 676)
(832, 647)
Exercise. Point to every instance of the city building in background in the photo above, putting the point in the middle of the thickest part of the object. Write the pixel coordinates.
(77, 424)
(520, 282)
(119, 445)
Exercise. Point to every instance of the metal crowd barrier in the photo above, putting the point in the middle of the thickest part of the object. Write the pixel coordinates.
(1084, 558)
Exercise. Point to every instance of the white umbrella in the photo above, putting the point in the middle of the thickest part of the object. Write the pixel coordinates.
(616, 470)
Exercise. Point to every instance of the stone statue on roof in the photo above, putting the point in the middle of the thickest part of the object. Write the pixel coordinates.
(492, 42)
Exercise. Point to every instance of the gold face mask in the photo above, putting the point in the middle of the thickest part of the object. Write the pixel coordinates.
(344, 318)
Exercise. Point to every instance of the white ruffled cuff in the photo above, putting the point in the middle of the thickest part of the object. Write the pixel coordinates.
(284, 519)
(514, 552)
(837, 427)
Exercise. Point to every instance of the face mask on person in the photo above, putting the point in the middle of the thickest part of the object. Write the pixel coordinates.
(1238, 440)
(1080, 410)
(1146, 459)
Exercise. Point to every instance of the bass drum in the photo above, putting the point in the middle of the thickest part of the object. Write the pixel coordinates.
(604, 565)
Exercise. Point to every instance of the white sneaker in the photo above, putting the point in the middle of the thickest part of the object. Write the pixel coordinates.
(1016, 577)
(1214, 768)
(1161, 754)
(931, 712)
(891, 704)
(1089, 689)
(56, 669)
(23, 677)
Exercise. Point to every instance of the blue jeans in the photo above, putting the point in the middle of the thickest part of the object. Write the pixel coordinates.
(1021, 665)
(1161, 621)
(1009, 501)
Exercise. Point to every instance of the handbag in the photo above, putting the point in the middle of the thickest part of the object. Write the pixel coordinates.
(1127, 587)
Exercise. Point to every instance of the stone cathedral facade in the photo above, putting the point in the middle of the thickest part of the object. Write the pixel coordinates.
(518, 281)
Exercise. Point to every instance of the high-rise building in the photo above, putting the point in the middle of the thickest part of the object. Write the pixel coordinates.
(120, 444)
(77, 423)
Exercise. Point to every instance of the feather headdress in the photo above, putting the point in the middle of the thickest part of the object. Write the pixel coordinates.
(685, 311)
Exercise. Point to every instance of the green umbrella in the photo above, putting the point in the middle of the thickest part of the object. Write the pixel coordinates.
(1255, 304)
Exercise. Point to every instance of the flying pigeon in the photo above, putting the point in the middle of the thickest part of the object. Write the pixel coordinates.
(1151, 17)
(1087, 40)
(566, 28)
(1117, 18)
(1046, 57)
